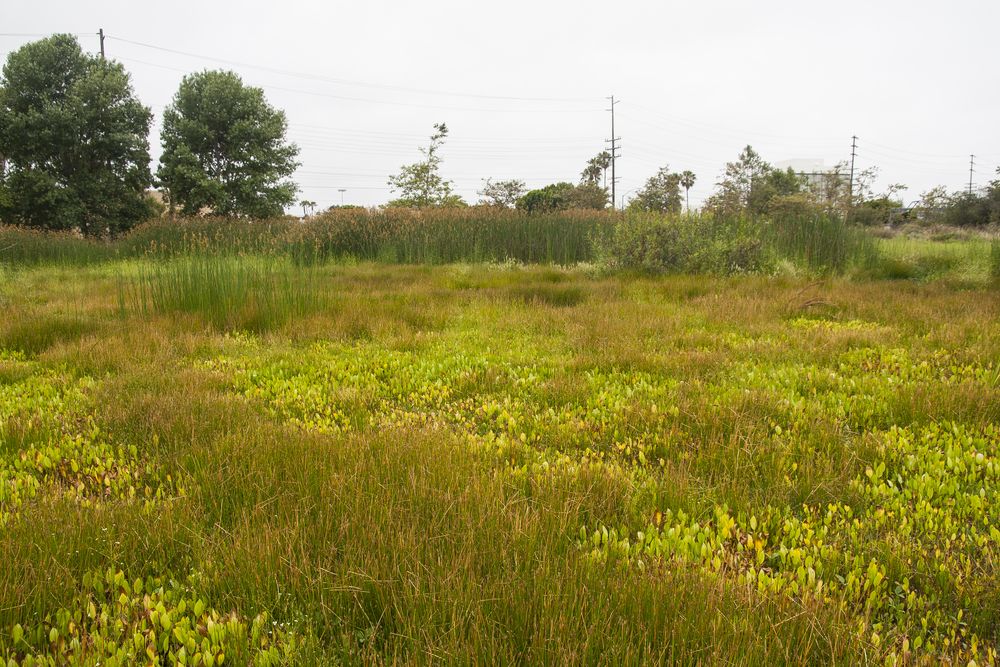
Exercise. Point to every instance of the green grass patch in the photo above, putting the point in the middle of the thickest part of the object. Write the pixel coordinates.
(361, 463)
(253, 293)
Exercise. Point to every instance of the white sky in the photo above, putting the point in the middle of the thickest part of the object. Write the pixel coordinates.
(521, 85)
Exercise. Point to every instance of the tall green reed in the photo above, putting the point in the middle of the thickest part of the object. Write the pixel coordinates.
(249, 292)
(29, 247)
(820, 242)
(995, 260)
(652, 242)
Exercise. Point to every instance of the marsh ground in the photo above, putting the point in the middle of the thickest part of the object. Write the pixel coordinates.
(496, 464)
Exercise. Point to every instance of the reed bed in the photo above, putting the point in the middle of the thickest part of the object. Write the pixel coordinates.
(252, 293)
(383, 235)
(650, 243)
(21, 246)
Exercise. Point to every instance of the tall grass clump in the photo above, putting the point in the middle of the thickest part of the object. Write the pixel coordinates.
(249, 292)
(995, 260)
(970, 261)
(449, 235)
(165, 238)
(29, 247)
(820, 242)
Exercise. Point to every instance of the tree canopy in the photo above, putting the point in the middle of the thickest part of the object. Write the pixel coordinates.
(74, 140)
(224, 149)
(662, 193)
(560, 196)
(503, 194)
(420, 184)
(751, 185)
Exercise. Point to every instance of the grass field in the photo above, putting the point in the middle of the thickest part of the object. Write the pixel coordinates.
(363, 463)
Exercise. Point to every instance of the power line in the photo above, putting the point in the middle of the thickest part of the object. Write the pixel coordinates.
(721, 130)
(904, 150)
(484, 144)
(498, 146)
(854, 150)
(34, 34)
(323, 131)
(387, 143)
(941, 164)
(349, 82)
(369, 100)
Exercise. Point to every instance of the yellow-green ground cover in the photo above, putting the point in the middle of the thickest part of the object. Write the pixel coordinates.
(496, 464)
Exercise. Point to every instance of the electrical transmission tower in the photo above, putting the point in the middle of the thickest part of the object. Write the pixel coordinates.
(972, 164)
(854, 153)
(615, 147)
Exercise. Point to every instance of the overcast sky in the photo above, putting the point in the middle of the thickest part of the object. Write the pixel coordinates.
(522, 85)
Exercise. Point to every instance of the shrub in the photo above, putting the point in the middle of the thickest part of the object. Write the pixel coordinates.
(689, 244)
(874, 212)
(734, 244)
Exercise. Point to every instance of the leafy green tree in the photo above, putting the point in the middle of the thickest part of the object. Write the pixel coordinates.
(420, 184)
(993, 196)
(661, 194)
(588, 195)
(969, 210)
(963, 208)
(74, 140)
(734, 193)
(562, 196)
(503, 194)
(935, 199)
(687, 182)
(453, 201)
(224, 149)
(830, 189)
(750, 184)
(550, 198)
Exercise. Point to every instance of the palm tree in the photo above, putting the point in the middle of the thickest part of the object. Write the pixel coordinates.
(595, 167)
(306, 204)
(687, 182)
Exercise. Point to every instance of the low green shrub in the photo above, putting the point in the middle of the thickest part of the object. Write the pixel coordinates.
(689, 244)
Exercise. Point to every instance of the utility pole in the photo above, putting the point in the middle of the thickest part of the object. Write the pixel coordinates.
(972, 164)
(854, 152)
(100, 33)
(614, 148)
